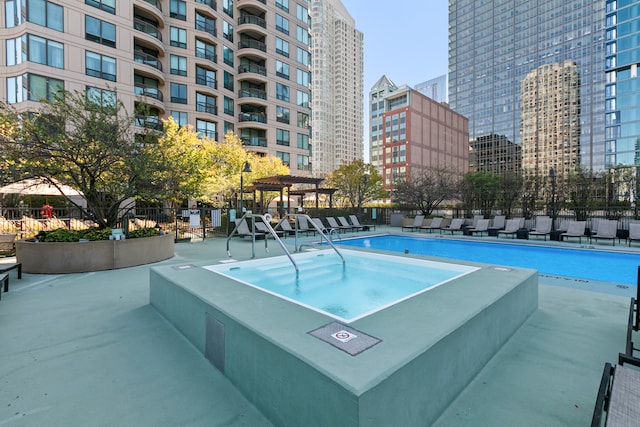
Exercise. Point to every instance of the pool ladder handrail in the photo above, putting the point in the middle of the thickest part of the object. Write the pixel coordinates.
(315, 226)
(253, 237)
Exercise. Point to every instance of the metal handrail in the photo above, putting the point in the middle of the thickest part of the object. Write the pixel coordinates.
(318, 229)
(253, 237)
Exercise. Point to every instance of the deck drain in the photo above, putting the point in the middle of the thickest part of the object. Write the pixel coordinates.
(345, 338)
(183, 267)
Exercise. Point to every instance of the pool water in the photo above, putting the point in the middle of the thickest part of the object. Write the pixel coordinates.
(366, 283)
(583, 263)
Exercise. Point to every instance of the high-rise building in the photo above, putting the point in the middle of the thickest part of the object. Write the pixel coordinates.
(435, 89)
(219, 66)
(420, 133)
(550, 125)
(496, 154)
(377, 95)
(494, 45)
(337, 75)
(622, 104)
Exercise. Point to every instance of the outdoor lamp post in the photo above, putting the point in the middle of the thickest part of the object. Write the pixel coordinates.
(247, 168)
(365, 181)
(552, 176)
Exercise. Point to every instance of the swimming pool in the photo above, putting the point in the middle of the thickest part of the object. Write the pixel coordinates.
(366, 283)
(583, 263)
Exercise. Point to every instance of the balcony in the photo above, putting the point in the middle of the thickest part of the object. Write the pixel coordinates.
(205, 107)
(211, 3)
(207, 81)
(206, 54)
(208, 27)
(147, 59)
(252, 19)
(151, 92)
(154, 3)
(147, 28)
(252, 44)
(252, 93)
(149, 122)
(254, 141)
(252, 68)
(211, 134)
(252, 117)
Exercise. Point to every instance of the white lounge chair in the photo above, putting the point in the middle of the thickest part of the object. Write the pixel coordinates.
(497, 223)
(456, 225)
(574, 229)
(482, 226)
(435, 224)
(417, 223)
(542, 227)
(607, 229)
(511, 227)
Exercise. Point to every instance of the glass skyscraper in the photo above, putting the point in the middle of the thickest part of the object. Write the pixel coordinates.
(494, 45)
(622, 90)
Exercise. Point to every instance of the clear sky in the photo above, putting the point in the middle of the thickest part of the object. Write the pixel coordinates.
(407, 40)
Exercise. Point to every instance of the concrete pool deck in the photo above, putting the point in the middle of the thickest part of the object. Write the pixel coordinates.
(88, 349)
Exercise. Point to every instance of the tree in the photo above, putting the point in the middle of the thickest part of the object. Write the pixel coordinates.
(511, 185)
(426, 189)
(82, 142)
(479, 190)
(353, 189)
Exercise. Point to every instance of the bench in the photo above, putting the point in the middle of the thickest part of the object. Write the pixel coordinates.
(632, 325)
(4, 279)
(618, 396)
(7, 243)
(7, 267)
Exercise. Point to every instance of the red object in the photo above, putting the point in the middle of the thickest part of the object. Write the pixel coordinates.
(46, 212)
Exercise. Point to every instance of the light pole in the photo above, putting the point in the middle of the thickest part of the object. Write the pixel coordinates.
(553, 176)
(365, 181)
(247, 168)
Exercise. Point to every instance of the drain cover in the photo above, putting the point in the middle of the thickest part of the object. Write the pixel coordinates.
(345, 338)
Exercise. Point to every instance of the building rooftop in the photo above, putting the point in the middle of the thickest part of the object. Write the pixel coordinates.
(88, 349)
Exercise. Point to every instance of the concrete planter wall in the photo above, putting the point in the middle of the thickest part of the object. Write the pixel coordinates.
(77, 257)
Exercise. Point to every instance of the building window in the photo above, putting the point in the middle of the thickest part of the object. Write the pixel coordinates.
(206, 104)
(303, 141)
(284, 157)
(206, 77)
(229, 127)
(100, 66)
(101, 97)
(282, 69)
(282, 114)
(302, 35)
(206, 50)
(227, 7)
(303, 120)
(283, 4)
(303, 78)
(282, 92)
(303, 163)
(206, 129)
(303, 99)
(303, 56)
(180, 117)
(32, 87)
(302, 13)
(40, 12)
(178, 65)
(227, 31)
(35, 49)
(228, 106)
(227, 55)
(179, 93)
(106, 5)
(99, 31)
(282, 47)
(282, 24)
(178, 37)
(206, 24)
(282, 137)
(228, 81)
(178, 9)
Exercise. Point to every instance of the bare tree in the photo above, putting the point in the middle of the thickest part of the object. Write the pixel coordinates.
(426, 189)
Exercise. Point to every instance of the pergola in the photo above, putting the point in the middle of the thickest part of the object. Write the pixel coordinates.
(280, 182)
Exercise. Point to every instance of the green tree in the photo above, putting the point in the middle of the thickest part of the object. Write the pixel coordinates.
(480, 191)
(357, 183)
(82, 142)
(426, 189)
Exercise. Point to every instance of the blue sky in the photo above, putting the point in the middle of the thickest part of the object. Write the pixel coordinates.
(407, 41)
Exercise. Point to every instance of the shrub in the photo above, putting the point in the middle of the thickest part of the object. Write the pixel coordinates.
(93, 234)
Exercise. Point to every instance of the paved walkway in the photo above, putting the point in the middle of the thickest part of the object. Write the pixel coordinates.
(88, 349)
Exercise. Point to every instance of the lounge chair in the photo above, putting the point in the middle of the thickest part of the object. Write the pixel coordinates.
(242, 230)
(574, 229)
(417, 223)
(482, 226)
(285, 226)
(356, 222)
(318, 222)
(607, 229)
(511, 227)
(303, 225)
(542, 227)
(262, 227)
(497, 224)
(456, 225)
(344, 223)
(7, 243)
(634, 232)
(335, 226)
(435, 224)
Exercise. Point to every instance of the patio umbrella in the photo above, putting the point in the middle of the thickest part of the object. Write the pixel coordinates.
(41, 187)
